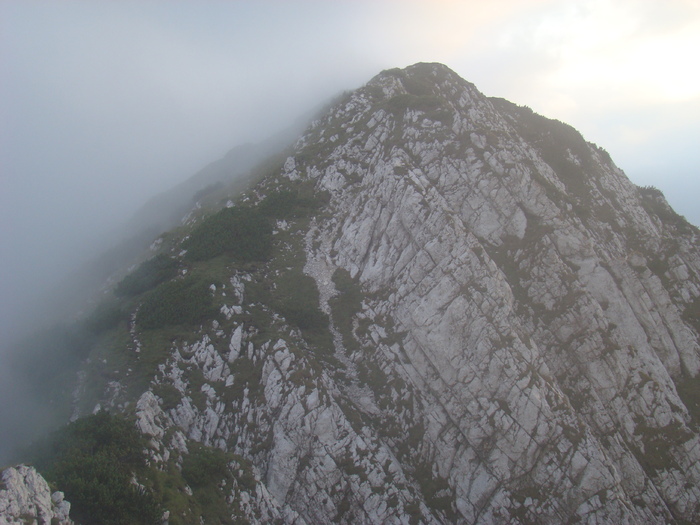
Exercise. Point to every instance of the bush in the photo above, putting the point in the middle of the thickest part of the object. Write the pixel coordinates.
(205, 466)
(150, 274)
(243, 233)
(346, 305)
(298, 301)
(287, 204)
(206, 471)
(93, 460)
(279, 204)
(654, 203)
(182, 301)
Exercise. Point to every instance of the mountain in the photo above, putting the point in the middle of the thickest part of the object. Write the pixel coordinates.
(437, 307)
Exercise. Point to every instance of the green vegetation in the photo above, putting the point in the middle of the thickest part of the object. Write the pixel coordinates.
(657, 455)
(435, 108)
(204, 466)
(206, 470)
(654, 202)
(182, 301)
(243, 233)
(170, 395)
(688, 389)
(290, 203)
(436, 489)
(150, 274)
(346, 305)
(296, 297)
(100, 463)
(691, 314)
(93, 461)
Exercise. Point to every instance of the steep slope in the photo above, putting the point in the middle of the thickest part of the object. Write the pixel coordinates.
(439, 308)
(539, 304)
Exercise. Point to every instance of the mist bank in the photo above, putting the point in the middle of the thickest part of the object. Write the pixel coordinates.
(51, 290)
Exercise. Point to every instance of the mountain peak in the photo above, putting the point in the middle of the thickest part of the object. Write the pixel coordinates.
(434, 307)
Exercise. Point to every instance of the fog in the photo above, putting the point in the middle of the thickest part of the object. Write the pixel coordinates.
(105, 104)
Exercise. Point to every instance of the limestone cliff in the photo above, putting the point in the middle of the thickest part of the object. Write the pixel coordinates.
(25, 497)
(466, 314)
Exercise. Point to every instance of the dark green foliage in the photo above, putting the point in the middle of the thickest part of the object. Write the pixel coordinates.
(204, 466)
(150, 274)
(654, 202)
(297, 299)
(436, 489)
(658, 442)
(93, 460)
(169, 395)
(206, 471)
(420, 79)
(691, 314)
(182, 301)
(555, 141)
(688, 389)
(435, 108)
(345, 305)
(243, 233)
(288, 204)
(279, 204)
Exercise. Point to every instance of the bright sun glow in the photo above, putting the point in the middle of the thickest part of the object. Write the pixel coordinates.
(617, 48)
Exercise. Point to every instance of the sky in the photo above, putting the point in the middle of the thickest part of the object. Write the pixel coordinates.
(104, 104)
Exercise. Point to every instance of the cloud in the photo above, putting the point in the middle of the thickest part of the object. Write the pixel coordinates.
(103, 104)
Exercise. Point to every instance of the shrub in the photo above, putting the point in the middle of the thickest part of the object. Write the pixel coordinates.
(279, 204)
(302, 201)
(182, 301)
(150, 274)
(206, 471)
(243, 233)
(204, 466)
(345, 305)
(654, 202)
(93, 460)
(298, 300)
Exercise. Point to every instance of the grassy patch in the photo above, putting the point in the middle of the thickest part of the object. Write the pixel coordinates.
(93, 460)
(346, 305)
(657, 455)
(181, 301)
(691, 314)
(243, 233)
(150, 274)
(688, 389)
(436, 490)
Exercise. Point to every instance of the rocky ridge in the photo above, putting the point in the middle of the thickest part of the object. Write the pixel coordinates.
(469, 315)
(25, 497)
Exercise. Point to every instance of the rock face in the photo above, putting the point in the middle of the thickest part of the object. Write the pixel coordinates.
(488, 323)
(25, 498)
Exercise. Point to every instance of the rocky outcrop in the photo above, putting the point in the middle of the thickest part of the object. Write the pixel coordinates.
(25, 497)
(504, 328)
(512, 261)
